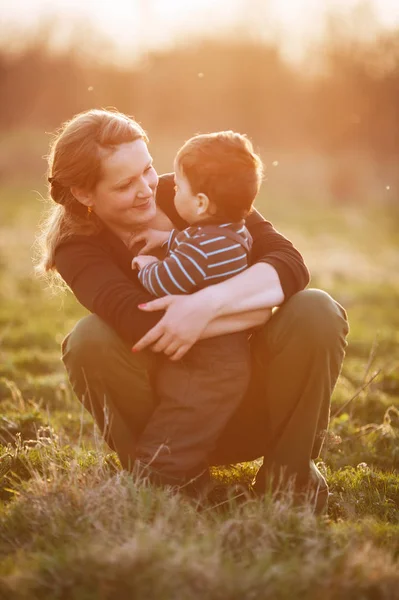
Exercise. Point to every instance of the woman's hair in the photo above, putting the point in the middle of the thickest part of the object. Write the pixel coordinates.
(224, 166)
(75, 160)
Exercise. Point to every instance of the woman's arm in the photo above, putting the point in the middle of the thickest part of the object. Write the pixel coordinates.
(188, 319)
(256, 288)
(99, 281)
(240, 303)
(272, 248)
(205, 314)
(238, 322)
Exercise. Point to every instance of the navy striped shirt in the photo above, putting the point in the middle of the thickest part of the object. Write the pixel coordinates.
(199, 256)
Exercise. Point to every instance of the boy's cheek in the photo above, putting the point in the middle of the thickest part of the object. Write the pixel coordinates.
(177, 202)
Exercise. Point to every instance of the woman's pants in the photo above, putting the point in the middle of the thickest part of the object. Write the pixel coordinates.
(296, 359)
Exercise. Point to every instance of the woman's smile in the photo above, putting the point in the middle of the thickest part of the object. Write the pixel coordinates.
(144, 205)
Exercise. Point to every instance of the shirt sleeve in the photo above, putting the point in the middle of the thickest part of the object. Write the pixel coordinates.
(171, 239)
(271, 247)
(182, 272)
(103, 288)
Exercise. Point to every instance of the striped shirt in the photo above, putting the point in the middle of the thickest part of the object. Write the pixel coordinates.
(198, 256)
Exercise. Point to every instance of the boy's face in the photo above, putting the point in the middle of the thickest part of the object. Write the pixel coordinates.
(191, 208)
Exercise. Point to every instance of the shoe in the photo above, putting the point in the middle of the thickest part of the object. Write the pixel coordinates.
(314, 492)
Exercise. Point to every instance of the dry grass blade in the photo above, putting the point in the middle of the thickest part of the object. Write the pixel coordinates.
(358, 392)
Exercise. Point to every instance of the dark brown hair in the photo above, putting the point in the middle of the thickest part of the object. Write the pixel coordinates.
(224, 166)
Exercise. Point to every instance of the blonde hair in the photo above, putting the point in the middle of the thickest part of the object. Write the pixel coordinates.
(224, 166)
(75, 160)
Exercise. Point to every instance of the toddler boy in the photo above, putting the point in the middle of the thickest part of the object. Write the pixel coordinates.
(217, 178)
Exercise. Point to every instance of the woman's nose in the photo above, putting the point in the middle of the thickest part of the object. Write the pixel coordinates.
(144, 189)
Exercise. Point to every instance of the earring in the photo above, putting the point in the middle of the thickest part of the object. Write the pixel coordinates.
(89, 211)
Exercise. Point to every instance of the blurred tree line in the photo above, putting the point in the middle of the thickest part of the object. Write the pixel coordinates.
(351, 101)
(345, 102)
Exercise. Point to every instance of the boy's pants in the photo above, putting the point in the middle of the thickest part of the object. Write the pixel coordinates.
(196, 397)
(295, 361)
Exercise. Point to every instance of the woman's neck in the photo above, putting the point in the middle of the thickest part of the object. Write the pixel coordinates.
(122, 233)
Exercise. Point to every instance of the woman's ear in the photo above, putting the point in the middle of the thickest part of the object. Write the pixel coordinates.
(202, 204)
(82, 196)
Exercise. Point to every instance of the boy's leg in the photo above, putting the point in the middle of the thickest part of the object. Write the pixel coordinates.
(112, 383)
(197, 396)
(297, 357)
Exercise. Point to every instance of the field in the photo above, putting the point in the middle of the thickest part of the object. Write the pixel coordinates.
(72, 525)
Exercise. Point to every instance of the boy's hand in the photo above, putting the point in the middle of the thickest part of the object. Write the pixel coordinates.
(141, 261)
(152, 238)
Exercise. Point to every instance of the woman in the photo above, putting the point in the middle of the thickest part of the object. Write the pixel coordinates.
(104, 186)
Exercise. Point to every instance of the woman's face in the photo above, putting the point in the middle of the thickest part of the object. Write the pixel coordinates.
(125, 197)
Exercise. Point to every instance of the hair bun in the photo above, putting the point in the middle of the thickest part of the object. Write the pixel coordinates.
(57, 191)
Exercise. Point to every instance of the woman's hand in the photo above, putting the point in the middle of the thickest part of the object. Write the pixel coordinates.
(185, 319)
(152, 238)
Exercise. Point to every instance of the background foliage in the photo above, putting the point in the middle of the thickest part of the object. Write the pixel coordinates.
(72, 525)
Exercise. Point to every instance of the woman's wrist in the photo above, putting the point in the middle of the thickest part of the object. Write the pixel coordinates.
(213, 296)
(237, 322)
(256, 288)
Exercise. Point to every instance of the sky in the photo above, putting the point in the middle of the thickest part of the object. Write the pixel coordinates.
(142, 24)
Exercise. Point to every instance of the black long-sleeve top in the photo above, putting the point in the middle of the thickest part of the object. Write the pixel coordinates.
(97, 268)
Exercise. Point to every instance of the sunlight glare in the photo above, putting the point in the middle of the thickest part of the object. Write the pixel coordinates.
(142, 24)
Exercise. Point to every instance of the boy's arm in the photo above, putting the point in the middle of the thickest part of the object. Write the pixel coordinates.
(181, 272)
(171, 239)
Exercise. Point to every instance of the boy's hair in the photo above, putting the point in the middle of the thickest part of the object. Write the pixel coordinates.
(224, 166)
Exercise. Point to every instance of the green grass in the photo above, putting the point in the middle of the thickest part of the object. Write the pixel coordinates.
(73, 525)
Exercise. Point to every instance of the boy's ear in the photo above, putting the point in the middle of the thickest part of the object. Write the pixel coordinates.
(82, 196)
(202, 204)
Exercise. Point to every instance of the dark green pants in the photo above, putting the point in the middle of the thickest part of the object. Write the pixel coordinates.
(296, 359)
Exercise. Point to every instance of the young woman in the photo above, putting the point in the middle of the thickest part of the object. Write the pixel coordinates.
(105, 189)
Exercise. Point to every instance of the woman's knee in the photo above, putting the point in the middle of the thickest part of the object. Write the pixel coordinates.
(87, 340)
(94, 344)
(318, 314)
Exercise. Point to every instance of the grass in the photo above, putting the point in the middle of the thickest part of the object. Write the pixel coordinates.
(73, 525)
